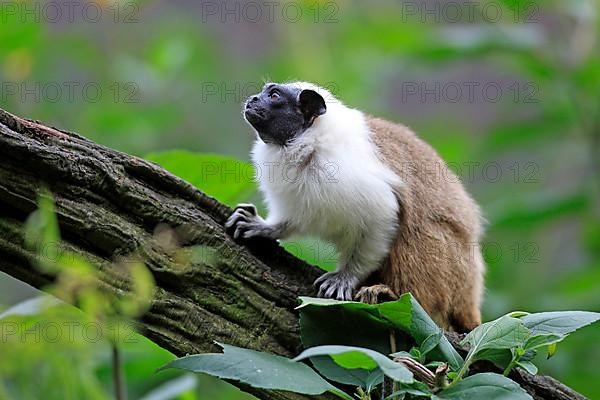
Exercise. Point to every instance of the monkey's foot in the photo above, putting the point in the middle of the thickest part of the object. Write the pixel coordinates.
(375, 294)
(337, 285)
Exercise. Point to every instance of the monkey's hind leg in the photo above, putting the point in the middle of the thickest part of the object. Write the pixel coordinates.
(375, 294)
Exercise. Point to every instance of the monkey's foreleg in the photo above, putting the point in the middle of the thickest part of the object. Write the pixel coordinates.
(245, 223)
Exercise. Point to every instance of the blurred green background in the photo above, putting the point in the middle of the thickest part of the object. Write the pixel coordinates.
(507, 91)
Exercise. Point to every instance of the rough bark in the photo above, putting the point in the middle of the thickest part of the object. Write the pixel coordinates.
(110, 203)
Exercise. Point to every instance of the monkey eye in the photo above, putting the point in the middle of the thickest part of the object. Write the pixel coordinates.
(274, 95)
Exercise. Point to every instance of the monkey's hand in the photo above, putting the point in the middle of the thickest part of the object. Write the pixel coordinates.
(337, 285)
(245, 223)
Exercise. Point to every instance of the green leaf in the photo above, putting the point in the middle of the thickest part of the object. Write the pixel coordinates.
(528, 356)
(329, 369)
(368, 325)
(375, 378)
(528, 366)
(356, 324)
(431, 342)
(42, 233)
(401, 313)
(489, 339)
(257, 369)
(357, 357)
(500, 357)
(517, 314)
(143, 288)
(349, 327)
(503, 333)
(404, 391)
(415, 389)
(345, 357)
(487, 386)
(537, 341)
(32, 306)
(552, 350)
(559, 322)
(422, 326)
(229, 180)
(434, 364)
(318, 301)
(416, 353)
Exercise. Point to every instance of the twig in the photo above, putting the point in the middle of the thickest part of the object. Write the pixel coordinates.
(393, 349)
(117, 370)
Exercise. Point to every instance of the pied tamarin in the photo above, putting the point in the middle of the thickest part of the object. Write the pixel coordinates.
(401, 221)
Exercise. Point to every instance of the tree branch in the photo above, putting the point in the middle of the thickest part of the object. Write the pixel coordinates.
(109, 204)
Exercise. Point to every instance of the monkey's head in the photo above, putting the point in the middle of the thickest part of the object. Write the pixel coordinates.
(281, 112)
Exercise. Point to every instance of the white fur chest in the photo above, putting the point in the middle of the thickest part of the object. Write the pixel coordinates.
(329, 182)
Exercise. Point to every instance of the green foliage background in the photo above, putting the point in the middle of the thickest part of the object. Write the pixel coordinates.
(173, 77)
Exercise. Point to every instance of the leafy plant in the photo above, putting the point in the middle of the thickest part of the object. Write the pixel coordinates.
(353, 348)
(514, 339)
(258, 369)
(503, 333)
(370, 325)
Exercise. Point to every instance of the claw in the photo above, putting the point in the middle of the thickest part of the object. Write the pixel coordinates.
(239, 214)
(249, 208)
(336, 285)
(375, 294)
(330, 291)
(250, 233)
(348, 294)
(239, 229)
(320, 279)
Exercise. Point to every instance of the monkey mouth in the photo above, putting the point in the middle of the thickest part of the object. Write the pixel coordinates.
(254, 116)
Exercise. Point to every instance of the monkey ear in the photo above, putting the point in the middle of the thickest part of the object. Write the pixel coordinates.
(312, 104)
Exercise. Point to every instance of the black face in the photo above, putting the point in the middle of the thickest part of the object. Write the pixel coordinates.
(281, 112)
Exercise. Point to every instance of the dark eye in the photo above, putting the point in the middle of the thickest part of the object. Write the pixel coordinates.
(274, 95)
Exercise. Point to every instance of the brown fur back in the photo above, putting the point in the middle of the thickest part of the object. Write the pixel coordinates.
(436, 255)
